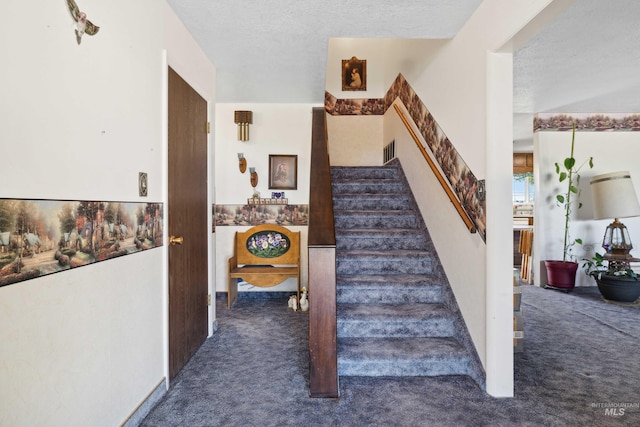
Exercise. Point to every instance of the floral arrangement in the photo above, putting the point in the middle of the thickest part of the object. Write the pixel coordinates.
(267, 244)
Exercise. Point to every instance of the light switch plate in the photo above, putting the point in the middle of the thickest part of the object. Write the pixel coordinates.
(142, 184)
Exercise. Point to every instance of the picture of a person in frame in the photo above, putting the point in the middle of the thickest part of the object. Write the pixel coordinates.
(356, 81)
(354, 74)
(282, 174)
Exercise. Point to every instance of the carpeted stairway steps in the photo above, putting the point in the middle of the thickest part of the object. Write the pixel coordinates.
(393, 319)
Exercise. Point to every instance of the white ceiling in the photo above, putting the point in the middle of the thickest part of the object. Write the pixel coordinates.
(586, 61)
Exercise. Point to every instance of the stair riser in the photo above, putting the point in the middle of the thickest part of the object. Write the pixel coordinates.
(395, 328)
(376, 243)
(381, 265)
(363, 173)
(367, 187)
(395, 368)
(375, 221)
(431, 294)
(370, 203)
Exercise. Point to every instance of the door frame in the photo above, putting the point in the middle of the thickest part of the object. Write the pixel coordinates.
(178, 67)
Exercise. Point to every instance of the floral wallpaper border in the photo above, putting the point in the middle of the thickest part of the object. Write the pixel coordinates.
(607, 122)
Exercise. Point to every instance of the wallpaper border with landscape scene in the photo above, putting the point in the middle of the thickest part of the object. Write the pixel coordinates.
(40, 237)
(462, 181)
(255, 214)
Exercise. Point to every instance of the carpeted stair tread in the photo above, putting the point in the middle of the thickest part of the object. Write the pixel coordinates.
(387, 254)
(384, 262)
(389, 289)
(409, 311)
(395, 320)
(388, 201)
(377, 219)
(376, 172)
(393, 313)
(367, 186)
(385, 233)
(383, 238)
(401, 357)
(390, 281)
(373, 212)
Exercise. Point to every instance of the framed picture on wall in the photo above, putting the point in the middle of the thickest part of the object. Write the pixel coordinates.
(283, 171)
(354, 74)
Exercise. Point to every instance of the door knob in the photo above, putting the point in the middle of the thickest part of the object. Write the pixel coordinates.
(173, 240)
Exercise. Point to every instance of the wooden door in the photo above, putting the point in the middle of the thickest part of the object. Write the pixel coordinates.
(187, 207)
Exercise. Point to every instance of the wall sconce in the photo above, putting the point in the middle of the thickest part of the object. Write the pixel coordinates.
(242, 162)
(254, 177)
(614, 197)
(243, 119)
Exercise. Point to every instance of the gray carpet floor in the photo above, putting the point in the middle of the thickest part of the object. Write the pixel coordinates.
(581, 358)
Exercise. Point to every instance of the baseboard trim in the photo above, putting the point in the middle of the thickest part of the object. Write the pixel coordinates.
(150, 402)
(259, 295)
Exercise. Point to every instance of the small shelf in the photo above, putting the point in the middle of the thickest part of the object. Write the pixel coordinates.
(255, 201)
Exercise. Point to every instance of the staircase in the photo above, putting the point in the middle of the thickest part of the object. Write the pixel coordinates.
(396, 313)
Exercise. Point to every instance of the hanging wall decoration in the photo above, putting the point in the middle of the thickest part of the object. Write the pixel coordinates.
(83, 25)
(283, 171)
(354, 74)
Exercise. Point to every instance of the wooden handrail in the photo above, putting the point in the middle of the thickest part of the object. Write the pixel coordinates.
(323, 352)
(321, 228)
(445, 185)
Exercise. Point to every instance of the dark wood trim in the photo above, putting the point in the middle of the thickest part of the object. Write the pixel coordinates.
(187, 154)
(321, 228)
(323, 354)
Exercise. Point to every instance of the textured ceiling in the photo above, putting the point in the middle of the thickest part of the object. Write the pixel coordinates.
(587, 60)
(276, 50)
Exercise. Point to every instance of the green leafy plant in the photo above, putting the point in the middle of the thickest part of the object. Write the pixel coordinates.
(569, 173)
(595, 267)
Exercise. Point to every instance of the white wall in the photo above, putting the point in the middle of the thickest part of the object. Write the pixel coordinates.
(611, 151)
(355, 140)
(85, 346)
(384, 58)
(452, 239)
(463, 87)
(276, 129)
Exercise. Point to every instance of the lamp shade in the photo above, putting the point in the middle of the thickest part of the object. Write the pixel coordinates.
(614, 196)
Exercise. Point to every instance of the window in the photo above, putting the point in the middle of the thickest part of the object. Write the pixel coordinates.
(522, 188)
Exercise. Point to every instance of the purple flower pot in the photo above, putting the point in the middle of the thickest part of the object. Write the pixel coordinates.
(561, 275)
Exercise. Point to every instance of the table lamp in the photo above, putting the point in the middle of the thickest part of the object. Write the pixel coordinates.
(614, 197)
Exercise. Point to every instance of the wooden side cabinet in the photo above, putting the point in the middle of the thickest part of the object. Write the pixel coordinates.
(522, 162)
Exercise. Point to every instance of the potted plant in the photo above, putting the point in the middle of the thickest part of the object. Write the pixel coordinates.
(616, 280)
(562, 274)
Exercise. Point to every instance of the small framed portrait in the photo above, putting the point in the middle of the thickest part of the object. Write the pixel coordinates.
(354, 74)
(283, 171)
